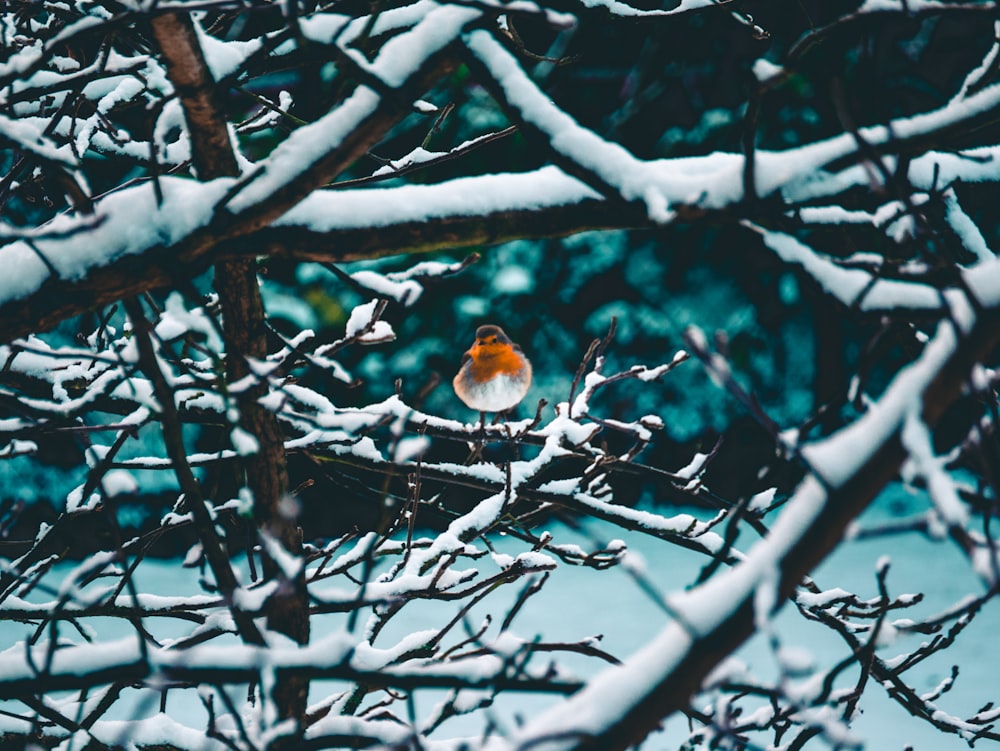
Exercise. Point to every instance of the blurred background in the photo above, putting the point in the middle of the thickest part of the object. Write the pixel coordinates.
(662, 89)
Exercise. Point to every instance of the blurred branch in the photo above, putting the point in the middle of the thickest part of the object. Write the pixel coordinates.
(936, 381)
(194, 500)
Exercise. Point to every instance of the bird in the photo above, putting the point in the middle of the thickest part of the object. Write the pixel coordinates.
(494, 375)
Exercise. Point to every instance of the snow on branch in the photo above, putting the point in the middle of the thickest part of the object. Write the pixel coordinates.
(312, 510)
(606, 166)
(849, 468)
(872, 291)
(32, 140)
(182, 217)
(148, 379)
(628, 11)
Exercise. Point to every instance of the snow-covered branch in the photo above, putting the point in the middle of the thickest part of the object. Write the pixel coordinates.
(245, 511)
(713, 618)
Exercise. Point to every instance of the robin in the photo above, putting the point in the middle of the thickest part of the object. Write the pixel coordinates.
(495, 374)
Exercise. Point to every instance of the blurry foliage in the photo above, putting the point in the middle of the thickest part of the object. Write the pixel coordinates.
(684, 92)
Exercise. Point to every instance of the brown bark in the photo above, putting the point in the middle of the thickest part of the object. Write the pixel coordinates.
(266, 476)
(245, 333)
(59, 299)
(211, 151)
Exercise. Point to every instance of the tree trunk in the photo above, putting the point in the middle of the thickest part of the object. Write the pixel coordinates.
(246, 337)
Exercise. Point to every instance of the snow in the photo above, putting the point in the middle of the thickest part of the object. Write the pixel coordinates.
(965, 228)
(910, 6)
(679, 524)
(32, 140)
(569, 431)
(402, 54)
(700, 610)
(70, 661)
(160, 729)
(562, 610)
(362, 326)
(303, 147)
(225, 58)
(186, 206)
(470, 196)
(430, 565)
(29, 55)
(329, 27)
(979, 72)
(609, 163)
(18, 447)
(711, 181)
(851, 286)
(418, 156)
(406, 291)
(822, 599)
(625, 10)
(943, 491)
(367, 657)
(411, 448)
(176, 320)
(762, 500)
(245, 443)
(118, 482)
(764, 70)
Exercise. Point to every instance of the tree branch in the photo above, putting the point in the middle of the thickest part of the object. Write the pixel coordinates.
(731, 621)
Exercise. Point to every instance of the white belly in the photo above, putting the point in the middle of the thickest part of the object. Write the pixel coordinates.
(497, 394)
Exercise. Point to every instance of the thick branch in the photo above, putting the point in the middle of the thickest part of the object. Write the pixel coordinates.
(129, 670)
(211, 150)
(59, 299)
(820, 534)
(246, 340)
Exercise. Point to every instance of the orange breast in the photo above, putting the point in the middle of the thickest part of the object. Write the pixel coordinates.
(489, 361)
